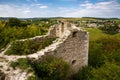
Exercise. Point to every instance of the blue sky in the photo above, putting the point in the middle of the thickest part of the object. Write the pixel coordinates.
(59, 8)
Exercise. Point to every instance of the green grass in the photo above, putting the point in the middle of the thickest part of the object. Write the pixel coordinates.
(22, 63)
(46, 68)
(28, 46)
(96, 34)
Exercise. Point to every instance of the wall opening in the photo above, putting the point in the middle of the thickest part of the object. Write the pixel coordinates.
(74, 34)
(62, 24)
(62, 27)
(73, 62)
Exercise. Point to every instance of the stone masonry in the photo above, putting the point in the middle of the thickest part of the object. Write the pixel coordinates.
(71, 45)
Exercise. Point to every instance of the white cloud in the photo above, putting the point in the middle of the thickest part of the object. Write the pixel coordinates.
(43, 7)
(102, 5)
(26, 11)
(14, 11)
(100, 9)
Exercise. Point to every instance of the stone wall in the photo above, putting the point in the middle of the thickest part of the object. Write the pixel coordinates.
(71, 45)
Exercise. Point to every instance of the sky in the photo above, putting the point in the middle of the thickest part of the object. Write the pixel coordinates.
(60, 8)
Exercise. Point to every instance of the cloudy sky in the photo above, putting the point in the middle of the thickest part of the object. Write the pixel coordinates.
(59, 8)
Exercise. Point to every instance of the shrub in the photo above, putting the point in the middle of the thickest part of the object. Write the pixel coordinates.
(28, 46)
(109, 71)
(22, 63)
(9, 33)
(51, 68)
(104, 49)
(14, 22)
(84, 74)
(110, 28)
(47, 68)
(33, 78)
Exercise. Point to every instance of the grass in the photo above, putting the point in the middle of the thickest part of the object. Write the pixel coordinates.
(96, 34)
(46, 68)
(28, 46)
(22, 63)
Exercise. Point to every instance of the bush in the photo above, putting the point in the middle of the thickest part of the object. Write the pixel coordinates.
(51, 68)
(22, 63)
(109, 71)
(84, 74)
(47, 68)
(110, 28)
(28, 47)
(8, 33)
(14, 22)
(33, 78)
(104, 49)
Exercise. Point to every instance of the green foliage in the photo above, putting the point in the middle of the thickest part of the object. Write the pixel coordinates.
(84, 74)
(47, 68)
(96, 34)
(96, 57)
(109, 71)
(51, 68)
(8, 34)
(104, 57)
(13, 22)
(22, 63)
(33, 78)
(104, 49)
(28, 46)
(110, 28)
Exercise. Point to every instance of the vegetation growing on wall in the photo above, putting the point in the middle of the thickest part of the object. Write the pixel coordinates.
(22, 63)
(47, 68)
(104, 54)
(28, 46)
(11, 30)
(51, 68)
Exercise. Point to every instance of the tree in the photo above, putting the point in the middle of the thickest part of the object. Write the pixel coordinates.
(110, 28)
(14, 22)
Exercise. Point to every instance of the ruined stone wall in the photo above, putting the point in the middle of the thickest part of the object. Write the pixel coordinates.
(71, 45)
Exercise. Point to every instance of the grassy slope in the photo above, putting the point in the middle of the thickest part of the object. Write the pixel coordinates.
(96, 34)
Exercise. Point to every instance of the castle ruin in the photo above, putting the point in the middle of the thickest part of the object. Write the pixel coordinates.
(71, 45)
